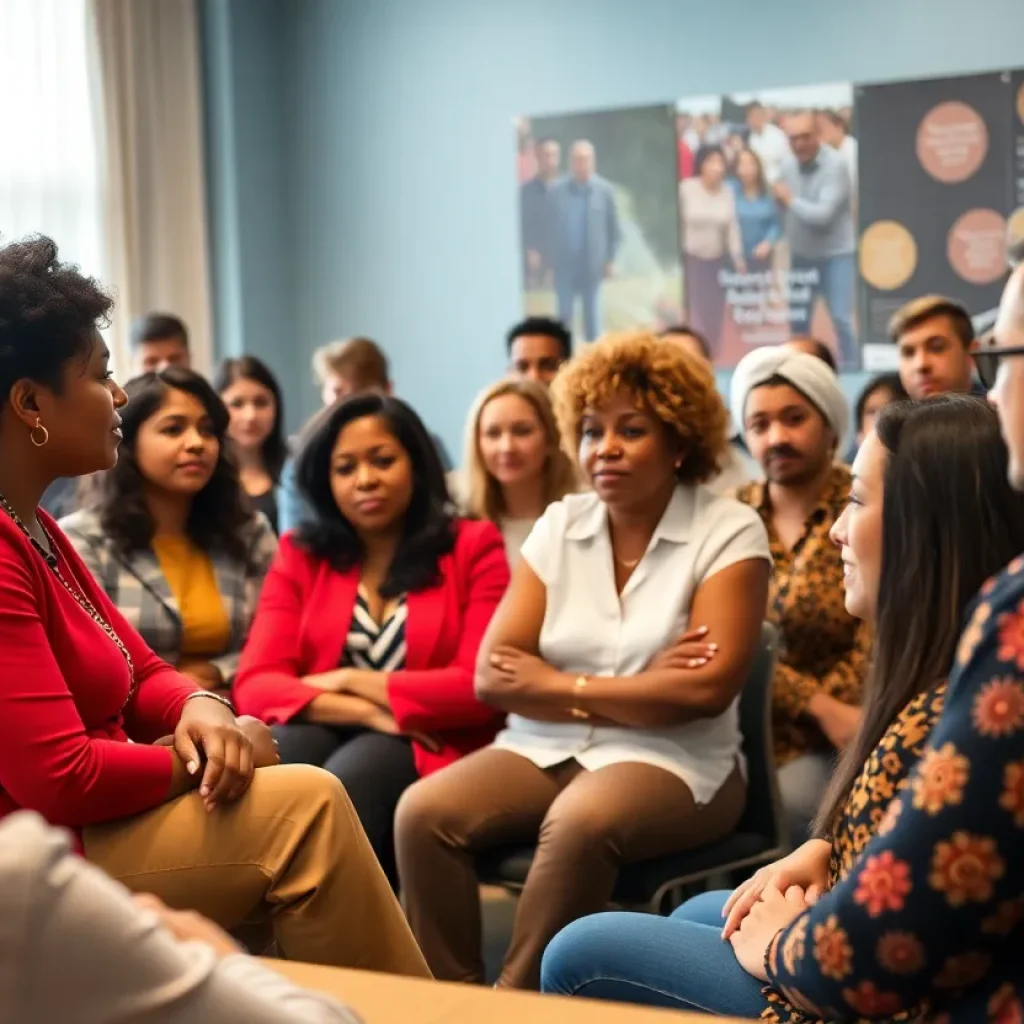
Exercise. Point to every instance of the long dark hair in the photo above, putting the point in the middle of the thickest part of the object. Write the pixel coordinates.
(274, 450)
(428, 530)
(219, 511)
(950, 520)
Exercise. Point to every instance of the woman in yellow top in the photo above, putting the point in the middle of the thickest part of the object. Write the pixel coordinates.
(170, 537)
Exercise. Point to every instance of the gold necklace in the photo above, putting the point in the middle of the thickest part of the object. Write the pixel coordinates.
(50, 558)
(628, 565)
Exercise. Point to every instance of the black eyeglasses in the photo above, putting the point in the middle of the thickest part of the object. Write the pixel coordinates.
(987, 356)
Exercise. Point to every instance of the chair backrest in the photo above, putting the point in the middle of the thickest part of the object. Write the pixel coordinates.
(763, 812)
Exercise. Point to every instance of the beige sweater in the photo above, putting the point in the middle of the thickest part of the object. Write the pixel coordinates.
(74, 949)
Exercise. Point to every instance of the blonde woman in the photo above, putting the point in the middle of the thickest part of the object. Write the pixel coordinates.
(515, 466)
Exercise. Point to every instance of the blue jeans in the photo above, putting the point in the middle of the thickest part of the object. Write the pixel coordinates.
(678, 962)
(567, 286)
(835, 284)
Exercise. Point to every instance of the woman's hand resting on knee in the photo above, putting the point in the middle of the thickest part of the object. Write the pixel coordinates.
(208, 731)
(806, 867)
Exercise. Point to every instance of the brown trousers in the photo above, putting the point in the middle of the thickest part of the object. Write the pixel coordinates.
(588, 823)
(291, 851)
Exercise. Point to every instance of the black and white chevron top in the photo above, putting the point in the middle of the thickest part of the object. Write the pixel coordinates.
(378, 647)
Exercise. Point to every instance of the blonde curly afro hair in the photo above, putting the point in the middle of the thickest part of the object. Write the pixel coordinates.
(664, 379)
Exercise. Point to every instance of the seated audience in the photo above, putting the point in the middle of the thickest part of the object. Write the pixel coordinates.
(795, 417)
(256, 429)
(163, 787)
(170, 538)
(364, 644)
(515, 466)
(877, 394)
(738, 468)
(903, 838)
(122, 959)
(934, 337)
(813, 347)
(159, 341)
(342, 368)
(537, 347)
(621, 745)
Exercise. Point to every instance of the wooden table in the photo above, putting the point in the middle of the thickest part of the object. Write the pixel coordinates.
(387, 999)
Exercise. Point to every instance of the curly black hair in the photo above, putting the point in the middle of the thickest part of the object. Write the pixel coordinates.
(219, 511)
(429, 528)
(49, 313)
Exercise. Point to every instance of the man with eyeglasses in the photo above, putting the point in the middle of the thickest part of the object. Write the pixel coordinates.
(816, 193)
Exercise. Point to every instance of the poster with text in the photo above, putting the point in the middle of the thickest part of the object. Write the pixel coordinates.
(597, 207)
(767, 205)
(935, 213)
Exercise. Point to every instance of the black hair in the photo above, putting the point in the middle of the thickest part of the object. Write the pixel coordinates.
(883, 382)
(275, 448)
(821, 351)
(704, 154)
(545, 326)
(49, 313)
(158, 327)
(428, 531)
(690, 332)
(950, 520)
(219, 511)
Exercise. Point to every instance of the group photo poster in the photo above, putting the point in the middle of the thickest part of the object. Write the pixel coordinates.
(767, 218)
(598, 214)
(937, 213)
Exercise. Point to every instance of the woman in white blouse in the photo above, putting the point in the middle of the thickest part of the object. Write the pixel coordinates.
(77, 948)
(515, 466)
(623, 739)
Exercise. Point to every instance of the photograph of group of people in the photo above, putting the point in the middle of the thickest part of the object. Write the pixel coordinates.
(763, 195)
(597, 212)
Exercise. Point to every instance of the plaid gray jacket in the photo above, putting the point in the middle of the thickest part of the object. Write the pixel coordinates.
(137, 585)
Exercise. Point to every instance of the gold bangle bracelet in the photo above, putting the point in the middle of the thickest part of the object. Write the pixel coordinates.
(579, 685)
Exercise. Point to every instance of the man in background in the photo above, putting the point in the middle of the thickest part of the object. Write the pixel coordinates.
(537, 213)
(767, 140)
(794, 418)
(835, 132)
(813, 347)
(815, 191)
(159, 340)
(587, 238)
(341, 368)
(934, 338)
(537, 347)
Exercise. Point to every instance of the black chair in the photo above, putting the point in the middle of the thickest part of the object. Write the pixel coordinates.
(757, 840)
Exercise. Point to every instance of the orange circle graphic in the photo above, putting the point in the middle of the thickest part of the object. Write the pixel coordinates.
(952, 141)
(888, 255)
(1015, 228)
(1020, 104)
(976, 246)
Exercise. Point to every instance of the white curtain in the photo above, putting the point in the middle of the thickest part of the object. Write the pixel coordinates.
(49, 164)
(148, 78)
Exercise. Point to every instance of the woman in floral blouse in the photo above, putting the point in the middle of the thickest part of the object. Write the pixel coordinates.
(909, 902)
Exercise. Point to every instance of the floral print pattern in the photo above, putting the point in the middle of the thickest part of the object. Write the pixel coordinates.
(930, 909)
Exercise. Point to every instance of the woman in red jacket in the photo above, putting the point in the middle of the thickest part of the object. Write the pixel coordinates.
(366, 633)
(157, 778)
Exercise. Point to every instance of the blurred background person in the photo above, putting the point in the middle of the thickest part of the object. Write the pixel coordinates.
(711, 237)
(835, 132)
(515, 466)
(813, 347)
(157, 341)
(588, 238)
(539, 216)
(879, 392)
(816, 194)
(255, 434)
(767, 140)
(171, 538)
(934, 339)
(537, 348)
(756, 211)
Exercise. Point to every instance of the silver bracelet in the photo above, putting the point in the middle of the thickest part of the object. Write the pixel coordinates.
(212, 696)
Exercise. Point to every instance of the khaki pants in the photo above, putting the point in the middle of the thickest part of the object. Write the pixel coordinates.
(291, 851)
(586, 824)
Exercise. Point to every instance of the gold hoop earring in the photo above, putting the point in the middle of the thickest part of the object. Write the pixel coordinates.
(32, 434)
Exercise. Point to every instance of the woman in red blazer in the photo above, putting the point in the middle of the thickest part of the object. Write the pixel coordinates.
(363, 649)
